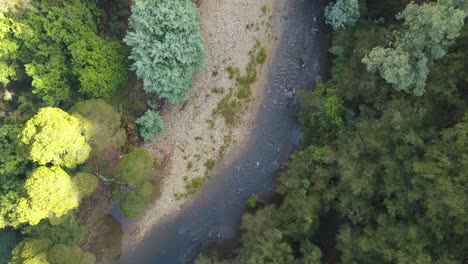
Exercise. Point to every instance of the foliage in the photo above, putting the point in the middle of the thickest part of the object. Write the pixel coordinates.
(49, 44)
(85, 183)
(10, 162)
(8, 241)
(136, 167)
(380, 176)
(252, 202)
(53, 136)
(342, 13)
(50, 192)
(100, 64)
(150, 124)
(427, 32)
(68, 232)
(9, 50)
(167, 46)
(44, 251)
(136, 202)
(106, 122)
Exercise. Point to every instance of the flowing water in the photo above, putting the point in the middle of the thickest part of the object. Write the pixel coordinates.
(212, 219)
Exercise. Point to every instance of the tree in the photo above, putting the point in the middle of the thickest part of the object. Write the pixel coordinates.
(100, 65)
(427, 32)
(136, 202)
(136, 170)
(136, 167)
(106, 122)
(50, 44)
(9, 50)
(11, 164)
(85, 183)
(342, 13)
(167, 46)
(67, 232)
(49, 192)
(54, 136)
(150, 124)
(43, 251)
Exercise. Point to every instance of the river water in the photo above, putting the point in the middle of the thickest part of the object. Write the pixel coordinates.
(213, 218)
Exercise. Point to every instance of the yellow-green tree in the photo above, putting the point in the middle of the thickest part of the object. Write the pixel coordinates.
(50, 192)
(55, 137)
(43, 251)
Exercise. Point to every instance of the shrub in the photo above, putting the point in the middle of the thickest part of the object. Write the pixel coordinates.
(150, 124)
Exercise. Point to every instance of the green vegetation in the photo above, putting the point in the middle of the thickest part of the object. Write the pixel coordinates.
(252, 202)
(167, 46)
(54, 136)
(136, 167)
(44, 251)
(136, 202)
(234, 102)
(426, 33)
(136, 171)
(58, 47)
(150, 123)
(106, 122)
(61, 64)
(381, 175)
(342, 13)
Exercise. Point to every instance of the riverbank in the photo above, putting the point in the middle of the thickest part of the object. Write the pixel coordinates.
(211, 220)
(196, 136)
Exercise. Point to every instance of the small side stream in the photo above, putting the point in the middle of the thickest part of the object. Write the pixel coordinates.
(214, 215)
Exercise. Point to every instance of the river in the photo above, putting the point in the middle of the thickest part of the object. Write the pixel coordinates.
(212, 219)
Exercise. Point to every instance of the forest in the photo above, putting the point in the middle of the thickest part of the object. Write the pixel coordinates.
(69, 131)
(381, 175)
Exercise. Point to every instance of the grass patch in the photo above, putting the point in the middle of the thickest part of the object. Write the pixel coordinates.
(227, 140)
(218, 90)
(232, 71)
(229, 108)
(210, 164)
(264, 9)
(191, 187)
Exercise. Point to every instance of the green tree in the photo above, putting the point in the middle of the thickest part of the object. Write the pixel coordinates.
(342, 13)
(85, 183)
(136, 170)
(136, 167)
(43, 251)
(151, 123)
(100, 65)
(106, 122)
(427, 31)
(54, 136)
(136, 202)
(49, 192)
(167, 46)
(9, 50)
(68, 232)
(49, 44)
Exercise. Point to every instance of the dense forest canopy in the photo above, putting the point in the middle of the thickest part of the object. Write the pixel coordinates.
(67, 127)
(382, 173)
